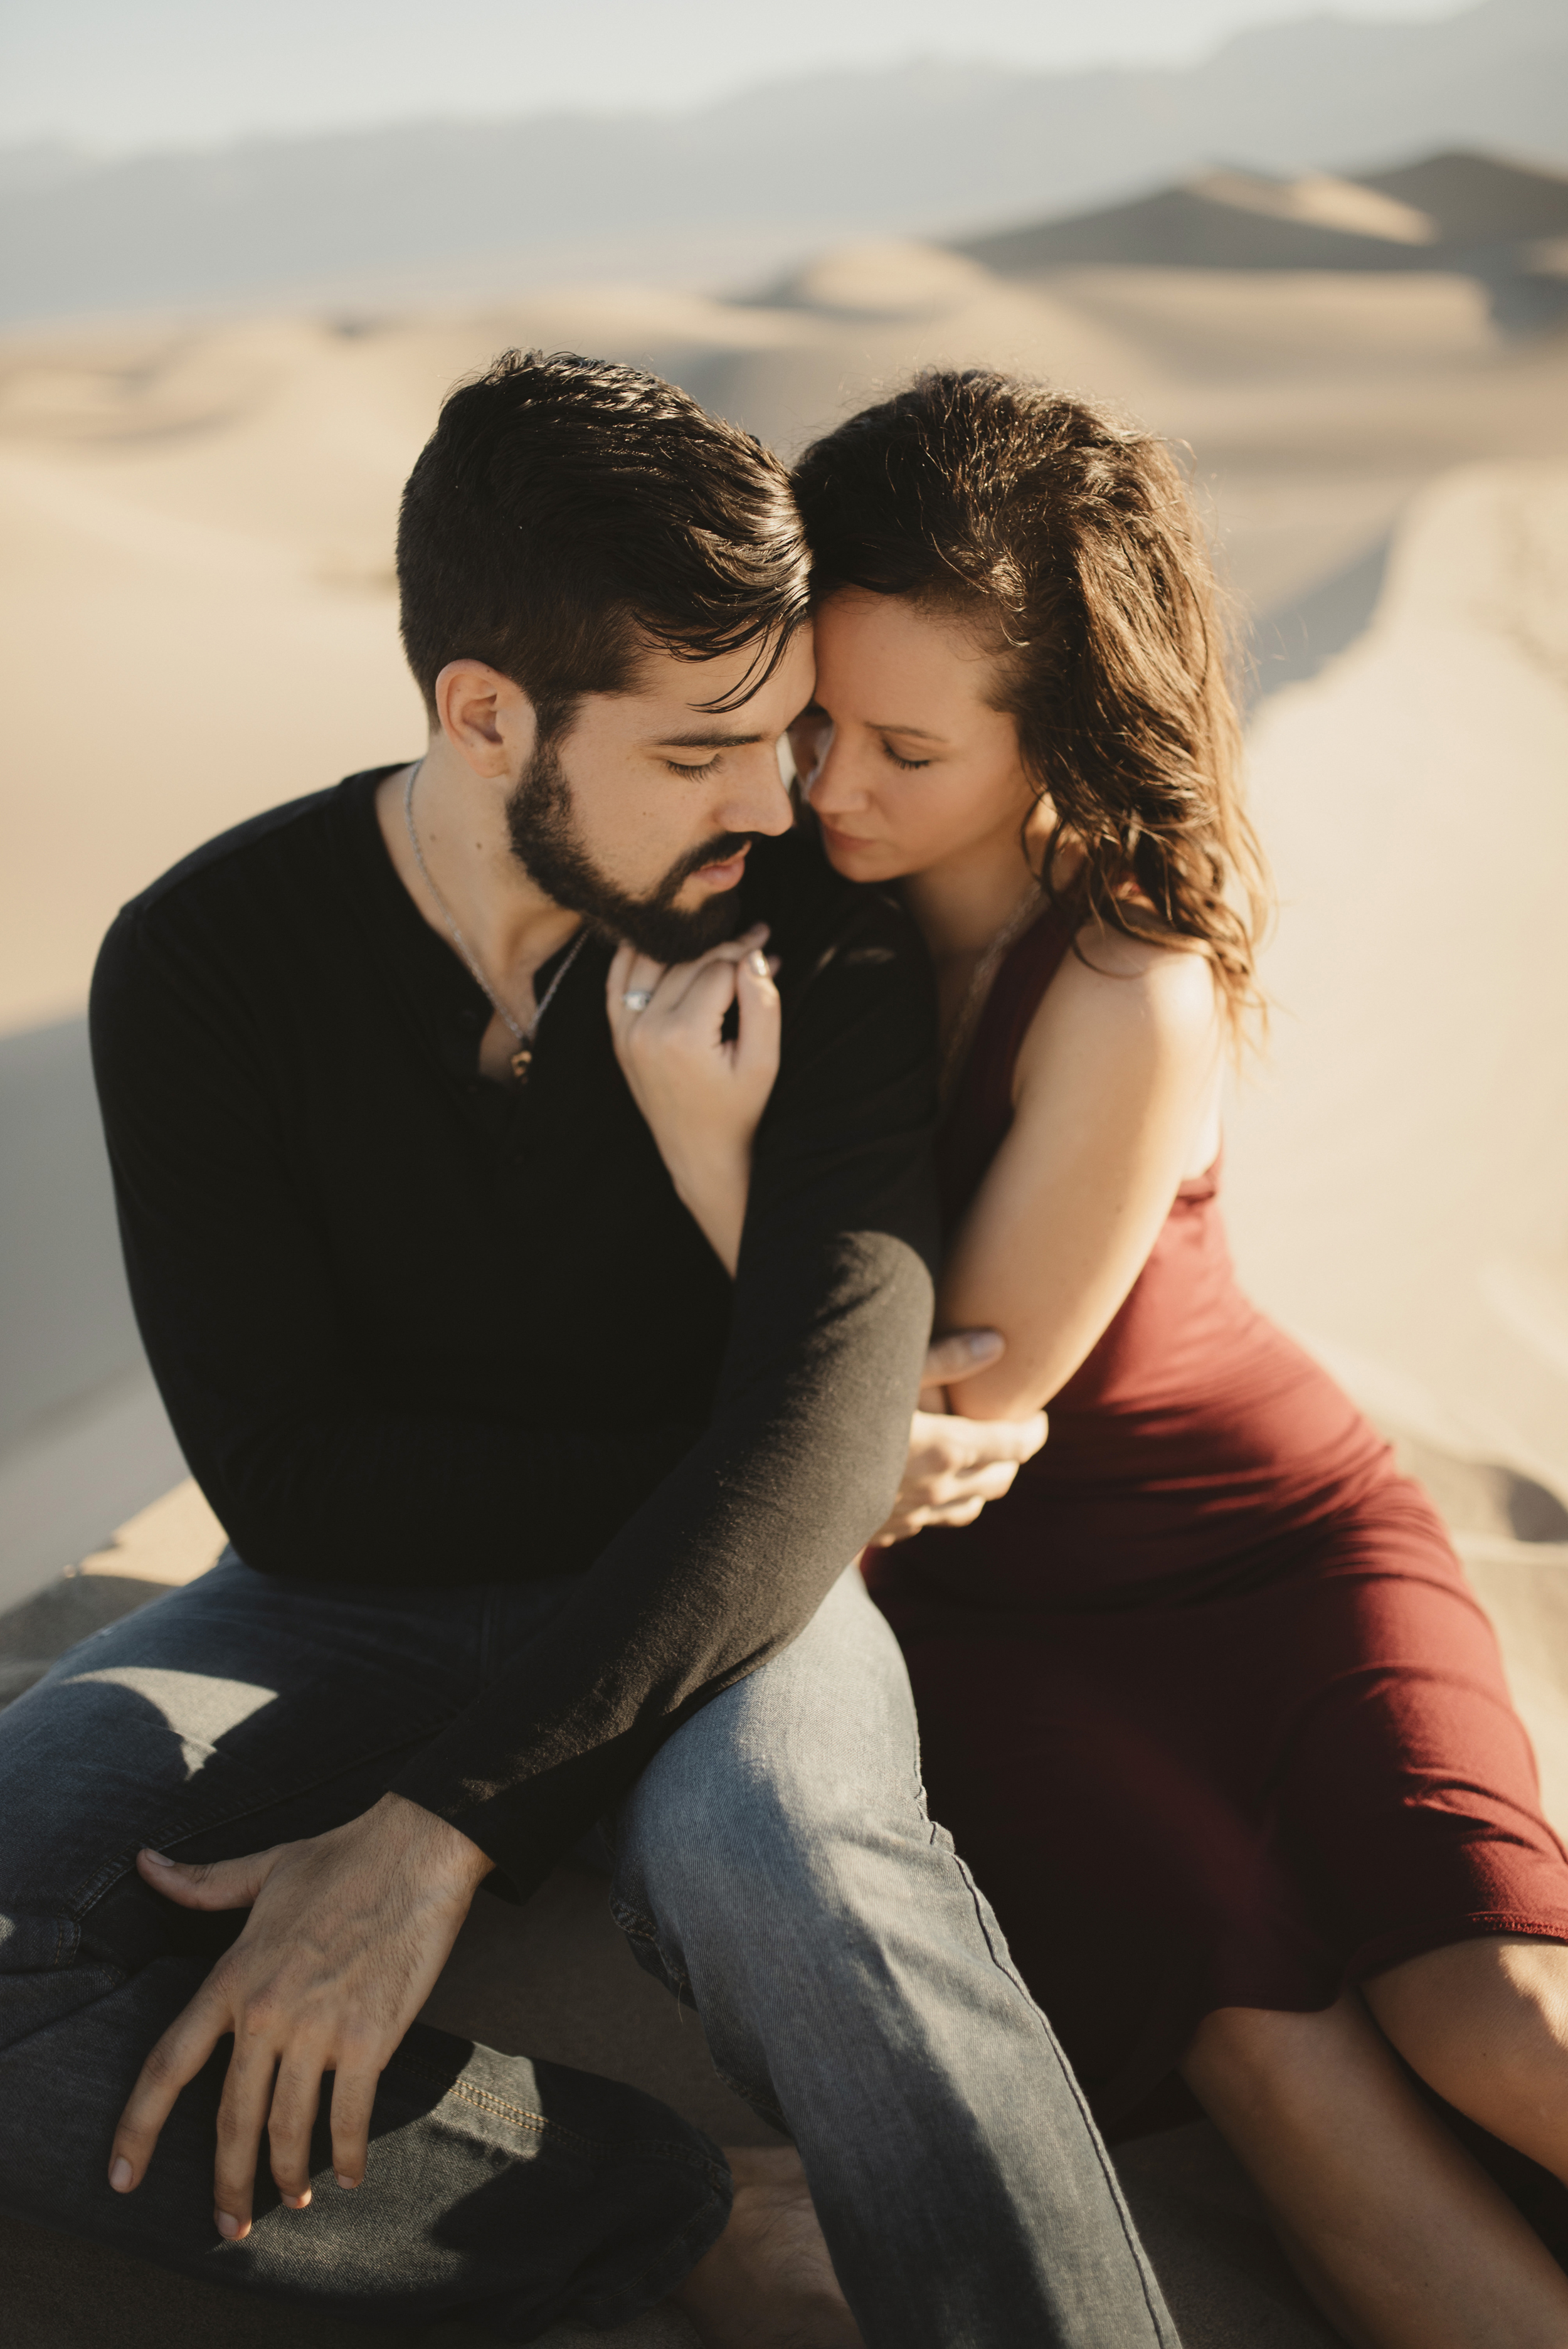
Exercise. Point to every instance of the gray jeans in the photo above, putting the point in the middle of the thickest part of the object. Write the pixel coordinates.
(775, 1863)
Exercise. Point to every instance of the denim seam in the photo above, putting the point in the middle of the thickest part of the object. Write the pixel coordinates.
(111, 1871)
(638, 1928)
(1107, 2171)
(485, 2100)
(765, 2107)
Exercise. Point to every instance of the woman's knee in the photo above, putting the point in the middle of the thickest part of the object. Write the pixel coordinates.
(1485, 2023)
(1262, 2060)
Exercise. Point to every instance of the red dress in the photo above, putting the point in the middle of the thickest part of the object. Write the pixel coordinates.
(1206, 1701)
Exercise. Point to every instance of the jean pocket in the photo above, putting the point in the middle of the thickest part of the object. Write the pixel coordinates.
(32, 1941)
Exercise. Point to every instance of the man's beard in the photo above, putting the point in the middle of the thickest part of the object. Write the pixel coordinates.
(543, 825)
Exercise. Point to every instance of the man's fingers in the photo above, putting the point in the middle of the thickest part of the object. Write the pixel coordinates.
(177, 2058)
(353, 2098)
(958, 1356)
(221, 1884)
(241, 2118)
(296, 2095)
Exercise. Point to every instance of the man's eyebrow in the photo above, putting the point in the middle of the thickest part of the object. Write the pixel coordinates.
(712, 740)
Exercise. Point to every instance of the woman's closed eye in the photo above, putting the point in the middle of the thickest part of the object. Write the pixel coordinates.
(909, 765)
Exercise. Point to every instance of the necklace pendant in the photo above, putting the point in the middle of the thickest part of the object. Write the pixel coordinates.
(522, 1061)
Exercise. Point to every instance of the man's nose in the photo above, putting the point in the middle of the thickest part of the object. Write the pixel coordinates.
(758, 799)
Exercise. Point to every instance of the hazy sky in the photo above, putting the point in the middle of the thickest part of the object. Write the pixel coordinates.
(126, 74)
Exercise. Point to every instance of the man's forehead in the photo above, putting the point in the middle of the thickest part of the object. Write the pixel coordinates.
(672, 700)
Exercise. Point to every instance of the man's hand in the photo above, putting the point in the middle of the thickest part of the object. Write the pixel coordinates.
(955, 1466)
(347, 1935)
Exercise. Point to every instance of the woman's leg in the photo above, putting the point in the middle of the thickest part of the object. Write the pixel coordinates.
(1401, 2236)
(1485, 2024)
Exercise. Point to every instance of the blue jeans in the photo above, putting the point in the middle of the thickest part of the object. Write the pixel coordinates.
(775, 1863)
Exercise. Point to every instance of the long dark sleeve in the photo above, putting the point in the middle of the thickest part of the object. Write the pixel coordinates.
(279, 1374)
(729, 1558)
(411, 1330)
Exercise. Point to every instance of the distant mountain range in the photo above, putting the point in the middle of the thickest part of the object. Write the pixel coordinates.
(931, 150)
(1502, 223)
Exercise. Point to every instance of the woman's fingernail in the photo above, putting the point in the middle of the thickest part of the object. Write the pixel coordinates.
(983, 1343)
(120, 2173)
(757, 963)
(298, 2201)
(349, 2183)
(159, 1859)
(228, 2228)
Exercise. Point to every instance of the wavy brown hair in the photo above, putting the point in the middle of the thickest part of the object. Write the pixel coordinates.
(1070, 539)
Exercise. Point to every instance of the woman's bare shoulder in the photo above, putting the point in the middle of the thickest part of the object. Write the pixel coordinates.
(1116, 988)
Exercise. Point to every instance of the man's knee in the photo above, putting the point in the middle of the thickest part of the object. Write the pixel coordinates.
(750, 1851)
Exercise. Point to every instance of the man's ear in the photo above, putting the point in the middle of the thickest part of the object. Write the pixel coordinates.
(488, 720)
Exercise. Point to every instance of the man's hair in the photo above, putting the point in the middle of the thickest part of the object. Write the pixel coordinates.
(568, 515)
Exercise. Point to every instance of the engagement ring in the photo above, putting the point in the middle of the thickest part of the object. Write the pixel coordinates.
(637, 999)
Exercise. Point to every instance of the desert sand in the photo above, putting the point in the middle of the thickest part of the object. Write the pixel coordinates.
(197, 526)
(198, 622)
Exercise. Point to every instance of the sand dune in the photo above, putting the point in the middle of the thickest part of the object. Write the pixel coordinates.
(196, 581)
(196, 521)
(1470, 214)
(196, 525)
(1398, 1179)
(935, 146)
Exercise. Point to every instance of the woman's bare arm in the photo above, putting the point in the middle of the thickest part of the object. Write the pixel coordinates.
(702, 1093)
(1116, 1101)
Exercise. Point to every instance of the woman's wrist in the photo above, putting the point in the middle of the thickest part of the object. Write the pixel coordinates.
(714, 1187)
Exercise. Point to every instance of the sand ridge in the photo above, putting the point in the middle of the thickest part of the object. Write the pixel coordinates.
(198, 515)
(198, 604)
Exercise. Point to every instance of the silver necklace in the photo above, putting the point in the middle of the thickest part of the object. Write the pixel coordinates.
(522, 1059)
(1023, 917)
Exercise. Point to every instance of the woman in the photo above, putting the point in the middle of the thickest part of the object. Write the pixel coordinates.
(1205, 1700)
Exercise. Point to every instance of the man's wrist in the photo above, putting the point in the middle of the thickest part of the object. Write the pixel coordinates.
(444, 1847)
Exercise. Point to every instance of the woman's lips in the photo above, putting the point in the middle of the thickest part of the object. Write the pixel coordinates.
(837, 839)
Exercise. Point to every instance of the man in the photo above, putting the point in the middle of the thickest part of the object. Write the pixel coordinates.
(542, 1525)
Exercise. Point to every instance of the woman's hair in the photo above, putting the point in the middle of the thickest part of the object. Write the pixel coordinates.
(1071, 540)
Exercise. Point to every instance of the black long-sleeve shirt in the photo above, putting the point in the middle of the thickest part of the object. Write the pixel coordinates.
(412, 1328)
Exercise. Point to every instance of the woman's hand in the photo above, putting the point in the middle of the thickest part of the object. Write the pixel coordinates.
(701, 1092)
(955, 1466)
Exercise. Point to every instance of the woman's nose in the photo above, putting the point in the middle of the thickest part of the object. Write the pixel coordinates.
(831, 788)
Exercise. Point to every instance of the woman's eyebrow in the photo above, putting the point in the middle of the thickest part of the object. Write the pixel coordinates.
(881, 726)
